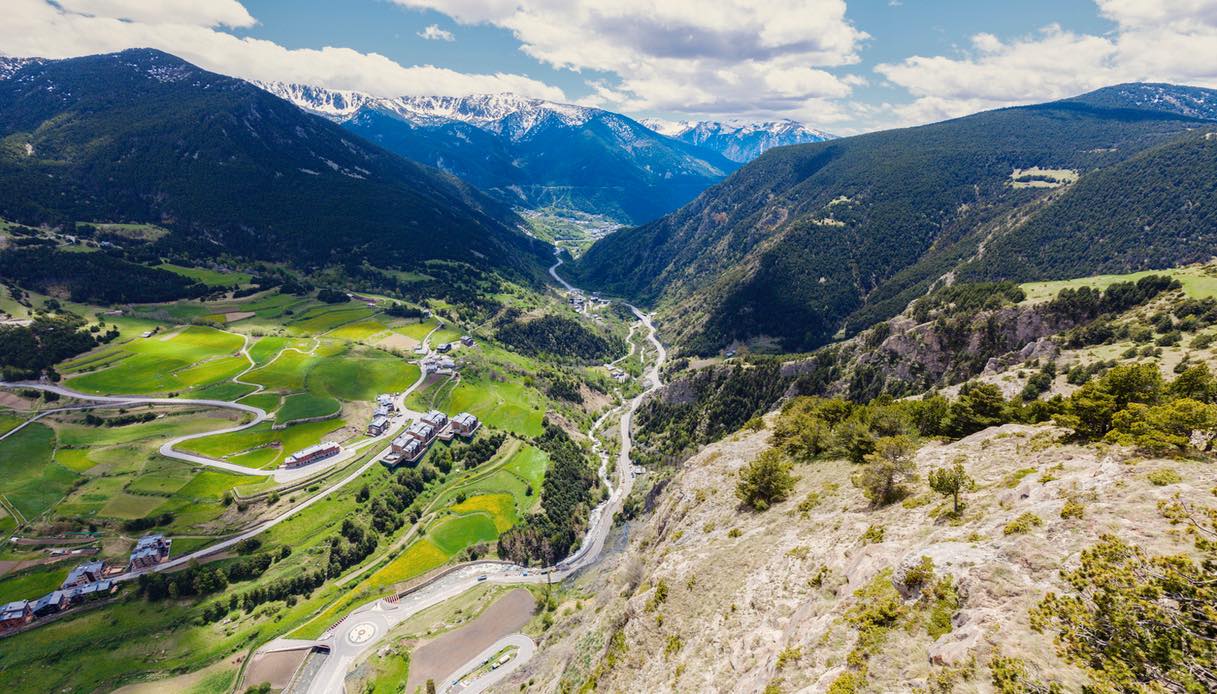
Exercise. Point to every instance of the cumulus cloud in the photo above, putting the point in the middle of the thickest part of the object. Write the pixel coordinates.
(228, 13)
(434, 33)
(691, 56)
(191, 30)
(1155, 40)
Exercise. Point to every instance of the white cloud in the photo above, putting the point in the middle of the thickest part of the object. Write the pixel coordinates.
(1155, 40)
(434, 33)
(689, 56)
(189, 30)
(228, 13)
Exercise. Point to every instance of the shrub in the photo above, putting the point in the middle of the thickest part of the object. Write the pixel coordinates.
(1022, 524)
(1137, 623)
(1164, 477)
(888, 469)
(765, 481)
(919, 575)
(874, 534)
(1073, 509)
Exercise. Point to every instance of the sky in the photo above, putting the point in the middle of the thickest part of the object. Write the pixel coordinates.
(845, 66)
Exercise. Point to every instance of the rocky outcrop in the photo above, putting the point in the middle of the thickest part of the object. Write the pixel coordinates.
(748, 599)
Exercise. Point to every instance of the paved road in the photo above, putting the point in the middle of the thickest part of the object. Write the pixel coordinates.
(526, 649)
(359, 632)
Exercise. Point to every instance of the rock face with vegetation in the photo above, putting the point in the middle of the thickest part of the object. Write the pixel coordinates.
(826, 591)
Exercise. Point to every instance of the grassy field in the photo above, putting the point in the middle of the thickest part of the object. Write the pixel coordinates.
(29, 479)
(33, 582)
(306, 406)
(360, 330)
(501, 509)
(505, 405)
(326, 317)
(266, 401)
(159, 364)
(361, 375)
(284, 441)
(211, 278)
(1199, 282)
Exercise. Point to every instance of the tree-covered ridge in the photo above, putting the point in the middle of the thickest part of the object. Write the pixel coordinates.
(799, 242)
(98, 278)
(142, 136)
(558, 336)
(1155, 210)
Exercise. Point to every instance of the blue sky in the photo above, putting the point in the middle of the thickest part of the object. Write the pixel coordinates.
(842, 65)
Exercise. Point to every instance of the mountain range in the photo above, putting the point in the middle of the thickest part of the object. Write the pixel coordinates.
(739, 141)
(812, 242)
(143, 136)
(529, 152)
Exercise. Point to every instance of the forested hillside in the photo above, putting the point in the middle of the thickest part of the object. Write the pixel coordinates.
(811, 239)
(142, 136)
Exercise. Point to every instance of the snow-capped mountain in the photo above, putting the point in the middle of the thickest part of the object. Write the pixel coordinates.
(529, 152)
(738, 141)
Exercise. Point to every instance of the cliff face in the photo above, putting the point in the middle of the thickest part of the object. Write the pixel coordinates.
(707, 597)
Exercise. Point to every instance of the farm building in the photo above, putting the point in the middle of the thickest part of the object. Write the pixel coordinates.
(467, 340)
(310, 455)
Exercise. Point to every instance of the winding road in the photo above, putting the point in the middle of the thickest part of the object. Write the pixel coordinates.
(362, 629)
(404, 414)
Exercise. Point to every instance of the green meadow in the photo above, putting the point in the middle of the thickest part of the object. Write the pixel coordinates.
(163, 363)
(306, 406)
(283, 442)
(1199, 282)
(213, 278)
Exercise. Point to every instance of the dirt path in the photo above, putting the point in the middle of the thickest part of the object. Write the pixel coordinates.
(441, 657)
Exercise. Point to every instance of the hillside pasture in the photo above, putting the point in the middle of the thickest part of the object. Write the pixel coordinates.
(1199, 282)
(157, 364)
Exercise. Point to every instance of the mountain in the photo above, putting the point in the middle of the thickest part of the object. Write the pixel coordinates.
(816, 241)
(528, 152)
(739, 141)
(1194, 102)
(143, 136)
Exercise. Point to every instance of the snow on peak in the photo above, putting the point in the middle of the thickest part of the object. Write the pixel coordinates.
(504, 113)
(739, 140)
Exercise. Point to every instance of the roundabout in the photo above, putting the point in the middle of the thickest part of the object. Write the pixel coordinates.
(361, 633)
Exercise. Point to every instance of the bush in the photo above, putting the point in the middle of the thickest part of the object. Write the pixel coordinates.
(1137, 623)
(765, 481)
(888, 469)
(1022, 524)
(1073, 509)
(1164, 477)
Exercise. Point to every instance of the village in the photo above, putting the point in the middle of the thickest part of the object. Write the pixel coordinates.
(88, 582)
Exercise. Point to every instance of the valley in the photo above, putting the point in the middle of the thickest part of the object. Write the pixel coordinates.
(312, 390)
